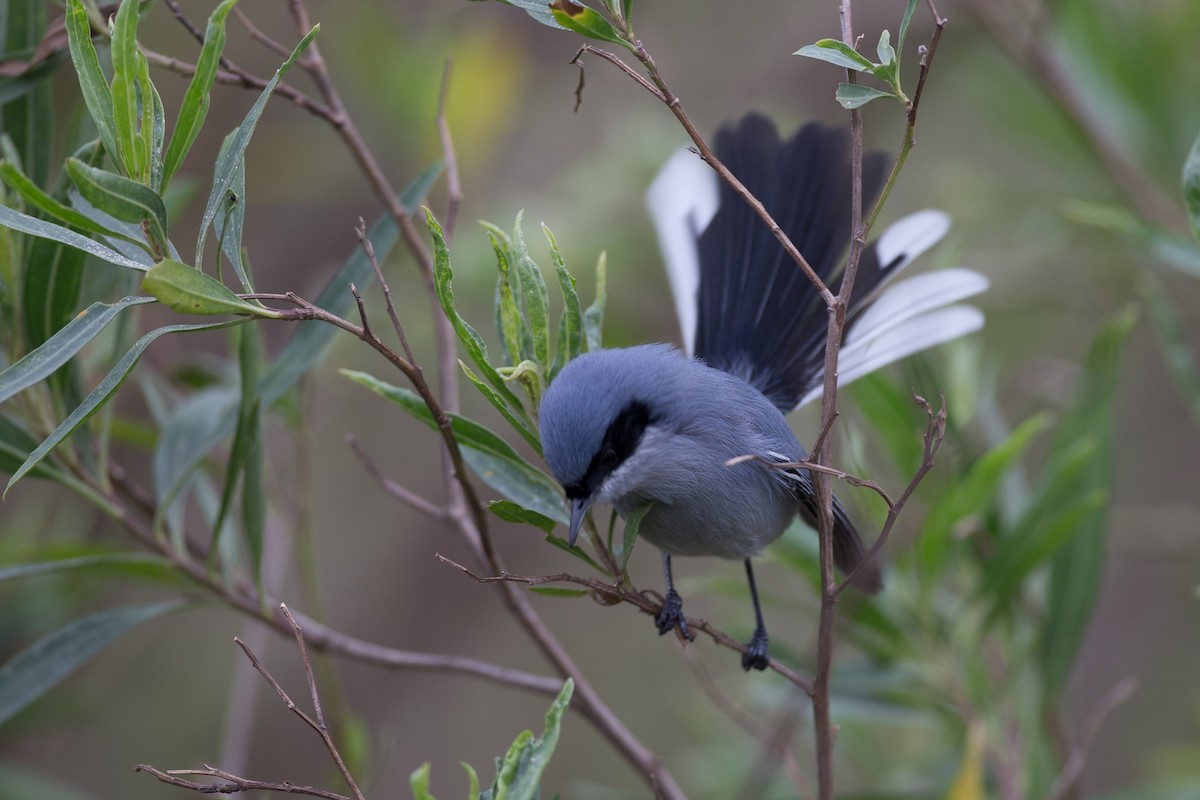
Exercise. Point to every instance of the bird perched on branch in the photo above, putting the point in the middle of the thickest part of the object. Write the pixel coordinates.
(653, 426)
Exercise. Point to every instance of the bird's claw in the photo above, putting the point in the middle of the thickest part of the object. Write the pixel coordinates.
(671, 616)
(756, 656)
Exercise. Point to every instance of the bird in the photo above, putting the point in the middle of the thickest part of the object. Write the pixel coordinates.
(659, 429)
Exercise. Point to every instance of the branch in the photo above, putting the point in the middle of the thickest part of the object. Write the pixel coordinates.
(232, 784)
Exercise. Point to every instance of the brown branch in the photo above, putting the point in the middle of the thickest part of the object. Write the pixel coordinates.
(258, 35)
(232, 783)
(610, 594)
(1073, 768)
(401, 493)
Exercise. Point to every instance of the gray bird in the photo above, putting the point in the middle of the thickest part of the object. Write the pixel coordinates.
(655, 425)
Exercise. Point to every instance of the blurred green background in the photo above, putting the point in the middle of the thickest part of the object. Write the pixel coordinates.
(992, 150)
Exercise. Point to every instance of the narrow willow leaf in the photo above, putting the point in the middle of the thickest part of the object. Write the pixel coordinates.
(60, 348)
(16, 443)
(471, 341)
(144, 564)
(472, 781)
(1180, 357)
(535, 298)
(33, 195)
(40, 667)
(418, 781)
(103, 393)
(497, 401)
(633, 521)
(585, 21)
(1191, 186)
(248, 446)
(887, 54)
(593, 318)
(134, 155)
(194, 107)
(511, 512)
(194, 428)
(855, 95)
(508, 316)
(230, 222)
(227, 166)
(57, 233)
(127, 200)
(570, 324)
(28, 118)
(558, 591)
(53, 276)
(94, 86)
(577, 552)
(836, 52)
(538, 9)
(1078, 567)
(189, 291)
(904, 22)
(526, 486)
(154, 122)
(521, 770)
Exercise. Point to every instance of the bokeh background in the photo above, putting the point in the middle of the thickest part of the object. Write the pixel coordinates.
(992, 149)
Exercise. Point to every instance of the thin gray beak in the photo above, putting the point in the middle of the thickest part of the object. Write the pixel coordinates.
(579, 507)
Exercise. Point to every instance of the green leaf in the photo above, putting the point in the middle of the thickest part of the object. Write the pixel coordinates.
(633, 521)
(1078, 567)
(227, 166)
(538, 9)
(60, 348)
(835, 51)
(585, 21)
(974, 491)
(57, 233)
(230, 223)
(511, 512)
(498, 402)
(418, 781)
(473, 779)
(904, 22)
(570, 324)
(133, 563)
(194, 108)
(492, 458)
(887, 54)
(577, 552)
(521, 770)
(593, 318)
(189, 291)
(103, 393)
(51, 289)
(134, 155)
(471, 341)
(128, 201)
(154, 122)
(1191, 186)
(1180, 357)
(558, 591)
(855, 95)
(33, 195)
(28, 117)
(535, 298)
(508, 316)
(94, 86)
(40, 667)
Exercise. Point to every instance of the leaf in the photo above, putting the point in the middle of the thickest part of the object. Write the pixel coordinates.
(41, 666)
(511, 512)
(835, 51)
(189, 291)
(521, 770)
(535, 299)
(102, 393)
(473, 779)
(471, 341)
(585, 21)
(154, 122)
(194, 108)
(56, 351)
(969, 783)
(33, 195)
(1078, 567)
(134, 563)
(1191, 186)
(570, 324)
(633, 521)
(508, 316)
(904, 22)
(418, 781)
(124, 93)
(230, 223)
(1180, 357)
(57, 233)
(498, 402)
(228, 164)
(51, 289)
(28, 117)
(577, 552)
(128, 201)
(887, 54)
(855, 95)
(558, 591)
(538, 9)
(94, 86)
(593, 318)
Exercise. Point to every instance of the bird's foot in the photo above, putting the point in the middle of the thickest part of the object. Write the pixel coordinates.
(756, 656)
(672, 617)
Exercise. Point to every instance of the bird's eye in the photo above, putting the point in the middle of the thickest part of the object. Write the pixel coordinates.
(608, 458)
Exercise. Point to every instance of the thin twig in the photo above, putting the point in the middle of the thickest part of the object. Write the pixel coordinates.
(232, 783)
(609, 594)
(369, 250)
(401, 493)
(258, 35)
(1107, 703)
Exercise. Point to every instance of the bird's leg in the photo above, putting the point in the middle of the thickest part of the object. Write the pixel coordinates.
(671, 616)
(756, 649)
